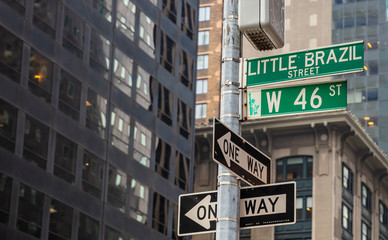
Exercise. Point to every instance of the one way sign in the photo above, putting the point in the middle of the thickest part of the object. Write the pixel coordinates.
(266, 205)
(239, 156)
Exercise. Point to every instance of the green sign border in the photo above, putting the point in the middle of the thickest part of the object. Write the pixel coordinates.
(292, 66)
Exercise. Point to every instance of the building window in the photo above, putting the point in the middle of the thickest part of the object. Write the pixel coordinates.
(5, 197)
(182, 171)
(202, 62)
(365, 231)
(294, 168)
(99, 59)
(160, 213)
(92, 170)
(88, 227)
(204, 14)
(117, 185)
(169, 8)
(45, 13)
(142, 138)
(313, 20)
(184, 119)
(347, 218)
(167, 53)
(162, 158)
(65, 158)
(304, 208)
(8, 121)
(73, 33)
(203, 38)
(186, 69)
(366, 197)
(188, 20)
(61, 218)
(30, 211)
(96, 113)
(139, 197)
(201, 86)
(69, 95)
(126, 17)
(200, 110)
(120, 132)
(36, 138)
(147, 35)
(165, 105)
(347, 178)
(11, 49)
(40, 76)
(104, 8)
(383, 211)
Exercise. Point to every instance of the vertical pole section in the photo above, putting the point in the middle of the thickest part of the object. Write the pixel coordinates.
(228, 194)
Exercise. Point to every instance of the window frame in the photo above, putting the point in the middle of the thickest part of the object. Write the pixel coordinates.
(204, 14)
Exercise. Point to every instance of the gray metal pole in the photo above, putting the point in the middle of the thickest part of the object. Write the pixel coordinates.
(228, 194)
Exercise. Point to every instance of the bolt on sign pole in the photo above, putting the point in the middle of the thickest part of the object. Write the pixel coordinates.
(228, 192)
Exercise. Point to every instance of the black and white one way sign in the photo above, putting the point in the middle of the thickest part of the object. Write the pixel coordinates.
(266, 205)
(239, 156)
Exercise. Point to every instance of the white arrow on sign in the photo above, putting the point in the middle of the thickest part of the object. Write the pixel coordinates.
(234, 153)
(204, 212)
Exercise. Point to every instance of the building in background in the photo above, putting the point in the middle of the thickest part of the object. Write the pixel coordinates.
(209, 61)
(351, 182)
(97, 106)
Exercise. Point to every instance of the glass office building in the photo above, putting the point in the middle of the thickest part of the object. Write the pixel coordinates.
(368, 91)
(96, 117)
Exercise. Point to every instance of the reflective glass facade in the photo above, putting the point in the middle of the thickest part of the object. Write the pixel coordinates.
(96, 117)
(355, 20)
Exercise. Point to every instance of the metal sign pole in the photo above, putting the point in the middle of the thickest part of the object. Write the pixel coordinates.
(228, 193)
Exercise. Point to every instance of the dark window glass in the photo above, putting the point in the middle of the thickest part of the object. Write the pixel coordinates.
(299, 208)
(35, 142)
(69, 95)
(92, 172)
(142, 144)
(5, 197)
(147, 34)
(300, 168)
(366, 197)
(104, 8)
(182, 171)
(113, 234)
(99, 53)
(165, 105)
(139, 197)
(8, 121)
(45, 13)
(120, 132)
(347, 178)
(123, 70)
(88, 228)
(65, 159)
(126, 17)
(365, 231)
(18, 5)
(144, 88)
(167, 53)
(30, 211)
(170, 9)
(186, 69)
(347, 218)
(162, 158)
(117, 185)
(40, 76)
(61, 218)
(160, 213)
(188, 20)
(73, 33)
(294, 168)
(184, 120)
(11, 49)
(96, 113)
(383, 213)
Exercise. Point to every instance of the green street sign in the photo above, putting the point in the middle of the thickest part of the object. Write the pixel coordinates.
(332, 60)
(296, 99)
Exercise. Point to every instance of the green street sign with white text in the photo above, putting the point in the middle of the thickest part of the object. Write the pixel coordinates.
(296, 99)
(332, 60)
